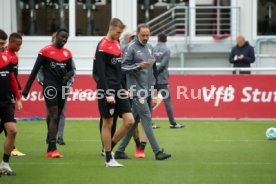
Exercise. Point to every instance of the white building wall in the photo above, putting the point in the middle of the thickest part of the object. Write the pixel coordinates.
(126, 11)
(5, 15)
(83, 48)
(248, 18)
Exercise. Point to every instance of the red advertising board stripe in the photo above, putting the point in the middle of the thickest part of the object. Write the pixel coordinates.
(193, 96)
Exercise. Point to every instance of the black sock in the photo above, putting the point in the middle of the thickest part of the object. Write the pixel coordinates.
(6, 157)
(113, 144)
(47, 139)
(137, 142)
(143, 145)
(52, 145)
(108, 156)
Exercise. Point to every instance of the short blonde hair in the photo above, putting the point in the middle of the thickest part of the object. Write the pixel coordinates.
(115, 22)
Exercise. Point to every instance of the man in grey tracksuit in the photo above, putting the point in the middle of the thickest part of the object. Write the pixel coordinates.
(162, 54)
(140, 80)
(61, 124)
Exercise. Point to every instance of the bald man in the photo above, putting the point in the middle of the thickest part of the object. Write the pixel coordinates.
(128, 37)
(242, 55)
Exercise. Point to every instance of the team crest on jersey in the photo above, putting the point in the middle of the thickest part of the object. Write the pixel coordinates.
(111, 111)
(4, 58)
(65, 53)
(53, 65)
(141, 100)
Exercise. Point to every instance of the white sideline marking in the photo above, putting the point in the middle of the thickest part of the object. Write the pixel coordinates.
(238, 163)
(84, 140)
(32, 163)
(222, 140)
(231, 140)
(202, 163)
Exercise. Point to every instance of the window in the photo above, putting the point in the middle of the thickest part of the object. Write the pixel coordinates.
(266, 17)
(90, 15)
(213, 17)
(149, 9)
(42, 17)
(171, 20)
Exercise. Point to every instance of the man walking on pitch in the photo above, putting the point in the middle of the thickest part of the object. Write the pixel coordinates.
(107, 74)
(57, 70)
(9, 91)
(162, 53)
(140, 81)
(14, 45)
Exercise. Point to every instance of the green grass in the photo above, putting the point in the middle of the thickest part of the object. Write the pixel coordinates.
(211, 152)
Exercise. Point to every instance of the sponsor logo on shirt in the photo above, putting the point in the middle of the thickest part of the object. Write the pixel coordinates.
(139, 53)
(53, 65)
(4, 73)
(116, 60)
(158, 53)
(61, 65)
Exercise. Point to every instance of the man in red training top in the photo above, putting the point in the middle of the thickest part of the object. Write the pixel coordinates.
(57, 70)
(107, 74)
(14, 45)
(9, 91)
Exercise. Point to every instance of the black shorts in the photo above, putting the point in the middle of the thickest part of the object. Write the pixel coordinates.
(53, 97)
(108, 110)
(7, 114)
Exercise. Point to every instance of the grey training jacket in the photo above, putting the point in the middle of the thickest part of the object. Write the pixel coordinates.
(139, 81)
(162, 54)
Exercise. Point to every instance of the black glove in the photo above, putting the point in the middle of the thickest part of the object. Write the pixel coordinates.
(65, 79)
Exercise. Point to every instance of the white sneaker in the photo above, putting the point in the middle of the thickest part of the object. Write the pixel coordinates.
(154, 126)
(177, 125)
(113, 163)
(5, 169)
(16, 152)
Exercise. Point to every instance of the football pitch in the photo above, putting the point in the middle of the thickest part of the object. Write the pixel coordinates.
(204, 152)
